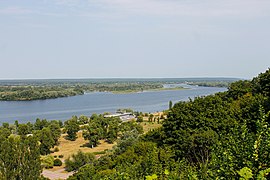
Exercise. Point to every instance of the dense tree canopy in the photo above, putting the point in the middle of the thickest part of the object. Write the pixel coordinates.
(72, 127)
(46, 140)
(19, 158)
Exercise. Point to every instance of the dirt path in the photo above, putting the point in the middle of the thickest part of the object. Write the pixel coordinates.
(56, 174)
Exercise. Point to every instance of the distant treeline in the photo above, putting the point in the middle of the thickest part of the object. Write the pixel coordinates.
(26, 93)
(53, 82)
(25, 90)
(211, 83)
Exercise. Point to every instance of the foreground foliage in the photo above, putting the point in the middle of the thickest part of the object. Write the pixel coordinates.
(20, 158)
(221, 136)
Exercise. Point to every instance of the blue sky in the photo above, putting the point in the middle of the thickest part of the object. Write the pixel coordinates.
(134, 38)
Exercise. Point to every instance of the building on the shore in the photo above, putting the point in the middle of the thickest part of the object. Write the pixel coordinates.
(122, 116)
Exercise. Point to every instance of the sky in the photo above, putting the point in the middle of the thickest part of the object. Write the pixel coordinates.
(133, 38)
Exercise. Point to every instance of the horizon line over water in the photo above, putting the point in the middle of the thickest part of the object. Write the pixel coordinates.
(125, 78)
(36, 82)
(97, 102)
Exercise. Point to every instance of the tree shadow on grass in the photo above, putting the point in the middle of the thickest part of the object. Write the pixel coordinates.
(88, 145)
(69, 139)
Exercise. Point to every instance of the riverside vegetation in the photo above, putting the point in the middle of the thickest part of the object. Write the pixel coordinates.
(221, 136)
(25, 90)
(22, 92)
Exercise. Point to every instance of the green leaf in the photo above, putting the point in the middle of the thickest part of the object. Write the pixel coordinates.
(245, 173)
(154, 176)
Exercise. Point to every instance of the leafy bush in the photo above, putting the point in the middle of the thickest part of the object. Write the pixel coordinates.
(101, 152)
(47, 161)
(139, 119)
(57, 162)
(56, 149)
(78, 160)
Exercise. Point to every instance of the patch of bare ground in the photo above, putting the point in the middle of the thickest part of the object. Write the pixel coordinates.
(66, 149)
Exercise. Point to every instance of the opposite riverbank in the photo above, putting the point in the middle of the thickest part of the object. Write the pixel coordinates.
(149, 90)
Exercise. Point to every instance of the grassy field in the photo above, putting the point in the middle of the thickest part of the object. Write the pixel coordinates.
(147, 126)
(67, 148)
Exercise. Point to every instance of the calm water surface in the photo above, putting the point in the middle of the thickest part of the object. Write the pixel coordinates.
(97, 102)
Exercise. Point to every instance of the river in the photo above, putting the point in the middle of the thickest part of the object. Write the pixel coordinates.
(97, 102)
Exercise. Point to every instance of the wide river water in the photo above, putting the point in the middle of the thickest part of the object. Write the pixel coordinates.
(97, 102)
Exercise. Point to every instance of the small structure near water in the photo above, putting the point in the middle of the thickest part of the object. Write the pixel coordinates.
(123, 116)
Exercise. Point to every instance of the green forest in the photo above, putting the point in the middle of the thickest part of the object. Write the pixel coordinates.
(220, 136)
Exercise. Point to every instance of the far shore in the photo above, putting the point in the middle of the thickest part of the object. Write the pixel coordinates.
(113, 92)
(149, 90)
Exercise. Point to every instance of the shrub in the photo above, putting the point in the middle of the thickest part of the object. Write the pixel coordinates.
(47, 161)
(100, 152)
(57, 162)
(78, 160)
(139, 119)
(56, 149)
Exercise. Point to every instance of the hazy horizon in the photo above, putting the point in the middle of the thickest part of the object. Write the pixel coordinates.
(120, 78)
(63, 39)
